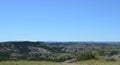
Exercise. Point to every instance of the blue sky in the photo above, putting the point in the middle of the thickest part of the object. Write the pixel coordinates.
(60, 20)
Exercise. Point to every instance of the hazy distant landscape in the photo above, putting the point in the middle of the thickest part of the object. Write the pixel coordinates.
(59, 53)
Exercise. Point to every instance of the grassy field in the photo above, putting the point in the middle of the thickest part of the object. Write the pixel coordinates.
(92, 62)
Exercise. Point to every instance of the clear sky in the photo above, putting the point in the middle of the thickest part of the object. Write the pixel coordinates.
(60, 20)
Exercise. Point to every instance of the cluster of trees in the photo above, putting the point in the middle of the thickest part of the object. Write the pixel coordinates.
(56, 57)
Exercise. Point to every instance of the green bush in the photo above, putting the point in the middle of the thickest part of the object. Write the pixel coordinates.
(63, 57)
(2, 58)
(86, 56)
(110, 59)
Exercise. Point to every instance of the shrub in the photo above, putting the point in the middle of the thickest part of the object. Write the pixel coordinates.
(86, 56)
(2, 58)
(110, 59)
(63, 57)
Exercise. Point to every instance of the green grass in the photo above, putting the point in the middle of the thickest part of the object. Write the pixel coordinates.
(92, 62)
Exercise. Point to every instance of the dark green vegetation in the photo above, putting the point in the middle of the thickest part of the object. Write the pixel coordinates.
(59, 51)
(86, 56)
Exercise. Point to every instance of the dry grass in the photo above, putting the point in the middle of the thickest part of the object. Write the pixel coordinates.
(91, 62)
